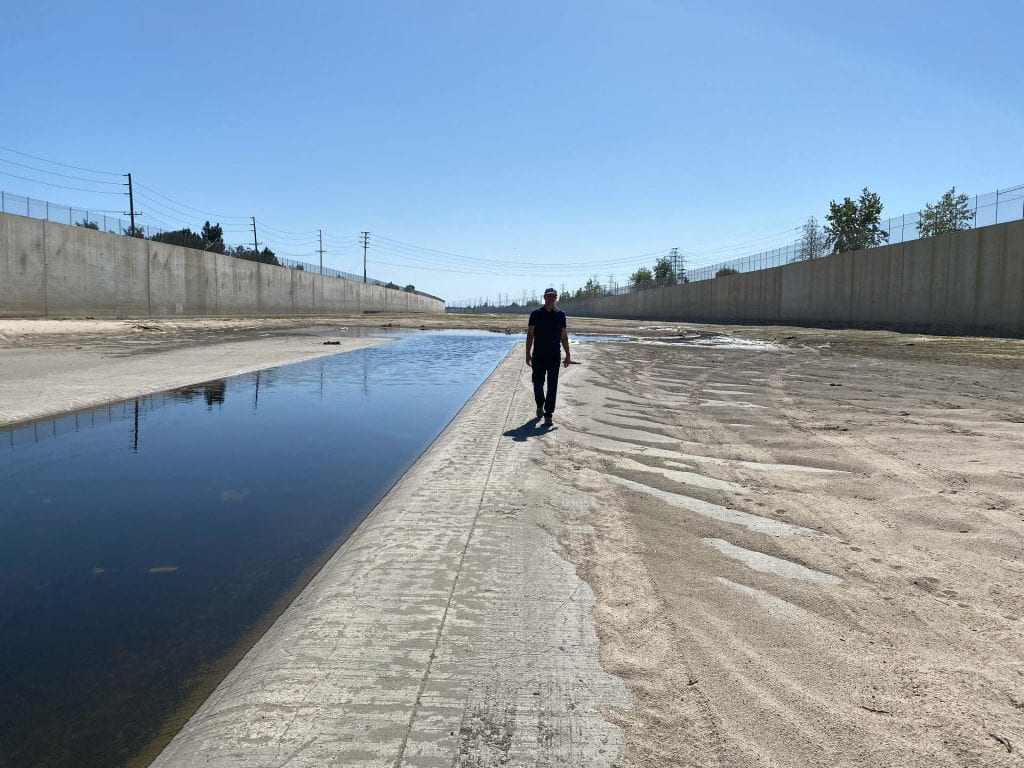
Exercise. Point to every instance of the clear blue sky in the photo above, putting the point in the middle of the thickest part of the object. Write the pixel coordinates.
(576, 133)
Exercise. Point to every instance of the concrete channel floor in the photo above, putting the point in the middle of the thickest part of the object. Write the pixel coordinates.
(448, 630)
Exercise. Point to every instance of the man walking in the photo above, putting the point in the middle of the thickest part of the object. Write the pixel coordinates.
(547, 330)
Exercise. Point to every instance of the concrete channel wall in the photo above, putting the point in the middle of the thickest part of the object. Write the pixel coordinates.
(55, 270)
(968, 282)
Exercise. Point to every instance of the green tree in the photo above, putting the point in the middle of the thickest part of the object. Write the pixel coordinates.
(592, 288)
(87, 224)
(854, 225)
(213, 237)
(812, 241)
(186, 238)
(132, 231)
(726, 271)
(664, 272)
(949, 214)
(266, 256)
(642, 279)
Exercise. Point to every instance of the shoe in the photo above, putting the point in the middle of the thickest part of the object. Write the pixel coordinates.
(540, 411)
(548, 420)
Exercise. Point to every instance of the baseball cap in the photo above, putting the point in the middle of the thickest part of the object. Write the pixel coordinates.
(550, 292)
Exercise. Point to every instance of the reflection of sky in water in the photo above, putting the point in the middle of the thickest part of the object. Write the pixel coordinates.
(140, 542)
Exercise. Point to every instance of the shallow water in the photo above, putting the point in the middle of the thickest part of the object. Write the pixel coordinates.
(142, 543)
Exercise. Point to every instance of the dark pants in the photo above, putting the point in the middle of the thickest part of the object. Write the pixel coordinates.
(546, 365)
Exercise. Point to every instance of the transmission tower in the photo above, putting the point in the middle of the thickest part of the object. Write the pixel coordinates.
(677, 264)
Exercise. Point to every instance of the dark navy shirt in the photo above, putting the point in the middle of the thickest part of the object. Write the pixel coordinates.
(547, 330)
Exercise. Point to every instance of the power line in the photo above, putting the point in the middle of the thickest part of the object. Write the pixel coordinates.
(287, 232)
(54, 162)
(166, 209)
(55, 173)
(191, 208)
(61, 186)
(485, 268)
(410, 249)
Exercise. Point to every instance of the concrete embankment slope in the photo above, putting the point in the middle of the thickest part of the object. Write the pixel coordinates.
(447, 630)
(56, 270)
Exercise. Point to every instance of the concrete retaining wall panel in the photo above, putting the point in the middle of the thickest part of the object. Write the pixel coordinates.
(22, 272)
(242, 296)
(166, 280)
(1000, 284)
(275, 291)
(918, 280)
(877, 285)
(773, 294)
(94, 273)
(753, 302)
(200, 284)
(956, 280)
(833, 295)
(304, 292)
(795, 295)
(1013, 280)
(722, 298)
(701, 305)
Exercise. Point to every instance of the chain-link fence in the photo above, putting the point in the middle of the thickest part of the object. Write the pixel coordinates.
(316, 269)
(105, 221)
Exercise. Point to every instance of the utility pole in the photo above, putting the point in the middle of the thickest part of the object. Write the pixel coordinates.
(321, 233)
(366, 241)
(131, 204)
(255, 244)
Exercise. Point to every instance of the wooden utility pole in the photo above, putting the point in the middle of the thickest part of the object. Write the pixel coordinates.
(255, 244)
(131, 204)
(366, 242)
(321, 232)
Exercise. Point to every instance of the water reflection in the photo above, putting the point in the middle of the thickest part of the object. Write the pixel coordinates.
(212, 393)
(139, 549)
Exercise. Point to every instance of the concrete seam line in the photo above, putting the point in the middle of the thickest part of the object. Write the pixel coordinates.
(458, 571)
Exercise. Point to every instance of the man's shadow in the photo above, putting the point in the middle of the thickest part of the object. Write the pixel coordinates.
(532, 428)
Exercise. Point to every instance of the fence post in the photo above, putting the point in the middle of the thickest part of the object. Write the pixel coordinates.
(997, 206)
(3, 205)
